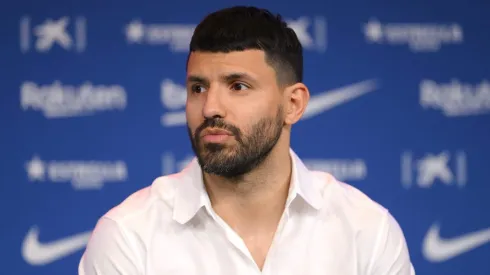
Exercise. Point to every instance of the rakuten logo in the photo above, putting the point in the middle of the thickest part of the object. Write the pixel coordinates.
(456, 98)
(60, 101)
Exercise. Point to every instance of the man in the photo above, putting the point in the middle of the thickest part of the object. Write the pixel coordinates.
(246, 204)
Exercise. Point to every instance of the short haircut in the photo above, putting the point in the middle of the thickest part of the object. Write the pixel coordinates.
(242, 28)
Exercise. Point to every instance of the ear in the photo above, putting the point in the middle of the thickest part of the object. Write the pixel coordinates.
(296, 100)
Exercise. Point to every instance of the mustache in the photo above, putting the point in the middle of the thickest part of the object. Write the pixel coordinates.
(217, 124)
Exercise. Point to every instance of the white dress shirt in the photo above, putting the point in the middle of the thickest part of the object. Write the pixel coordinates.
(169, 227)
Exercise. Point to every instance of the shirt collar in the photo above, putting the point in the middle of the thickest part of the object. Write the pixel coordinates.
(303, 183)
(191, 194)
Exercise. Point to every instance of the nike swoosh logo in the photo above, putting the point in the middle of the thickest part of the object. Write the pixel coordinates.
(36, 253)
(332, 98)
(437, 249)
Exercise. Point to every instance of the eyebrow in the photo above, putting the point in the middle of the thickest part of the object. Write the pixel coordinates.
(226, 78)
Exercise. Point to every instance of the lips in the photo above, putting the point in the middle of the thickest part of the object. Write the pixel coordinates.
(212, 132)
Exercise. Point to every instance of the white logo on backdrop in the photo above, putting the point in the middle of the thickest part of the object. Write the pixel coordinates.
(83, 175)
(446, 168)
(53, 32)
(418, 36)
(455, 98)
(59, 100)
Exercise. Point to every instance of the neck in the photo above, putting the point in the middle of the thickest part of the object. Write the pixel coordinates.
(258, 198)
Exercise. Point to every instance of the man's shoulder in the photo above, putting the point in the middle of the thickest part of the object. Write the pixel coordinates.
(124, 230)
(348, 202)
(141, 203)
(379, 238)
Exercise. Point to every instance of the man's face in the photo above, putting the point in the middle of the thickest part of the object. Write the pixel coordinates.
(234, 110)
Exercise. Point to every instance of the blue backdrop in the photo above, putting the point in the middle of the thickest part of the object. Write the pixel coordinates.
(92, 105)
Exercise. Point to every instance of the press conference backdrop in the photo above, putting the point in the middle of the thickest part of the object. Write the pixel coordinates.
(92, 109)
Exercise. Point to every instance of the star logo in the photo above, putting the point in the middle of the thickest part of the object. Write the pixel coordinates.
(135, 31)
(373, 31)
(36, 169)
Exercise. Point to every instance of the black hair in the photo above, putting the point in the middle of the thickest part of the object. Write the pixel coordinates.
(242, 28)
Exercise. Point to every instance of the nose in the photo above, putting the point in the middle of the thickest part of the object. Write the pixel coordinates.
(213, 105)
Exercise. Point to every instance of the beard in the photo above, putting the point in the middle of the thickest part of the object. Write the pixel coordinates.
(249, 151)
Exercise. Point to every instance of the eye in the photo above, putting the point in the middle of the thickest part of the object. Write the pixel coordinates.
(197, 89)
(239, 86)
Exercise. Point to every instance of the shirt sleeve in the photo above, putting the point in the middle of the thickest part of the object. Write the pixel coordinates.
(391, 255)
(108, 252)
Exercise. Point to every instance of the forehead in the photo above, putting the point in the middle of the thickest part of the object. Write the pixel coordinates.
(209, 65)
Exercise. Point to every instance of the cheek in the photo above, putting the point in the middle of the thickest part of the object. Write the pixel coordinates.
(193, 116)
(260, 110)
(248, 125)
